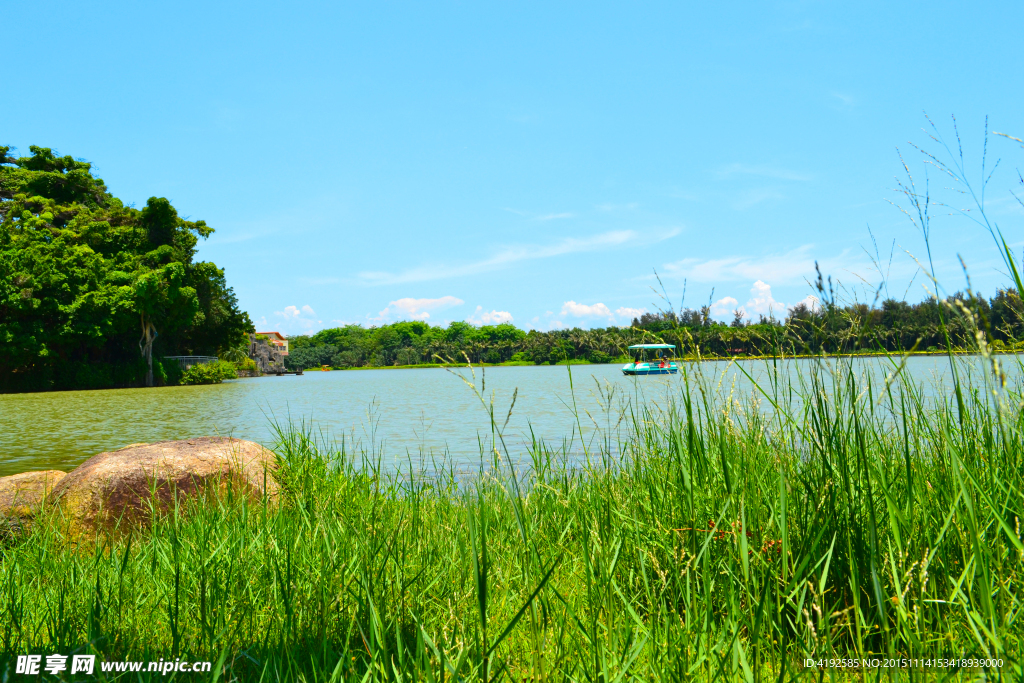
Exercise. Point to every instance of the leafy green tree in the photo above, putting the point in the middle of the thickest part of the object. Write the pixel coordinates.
(91, 289)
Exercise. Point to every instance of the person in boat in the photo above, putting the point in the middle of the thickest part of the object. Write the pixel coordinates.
(651, 359)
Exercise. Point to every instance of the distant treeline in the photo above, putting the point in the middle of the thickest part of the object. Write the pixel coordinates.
(894, 326)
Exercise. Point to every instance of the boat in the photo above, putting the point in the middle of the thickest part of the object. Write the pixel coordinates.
(651, 359)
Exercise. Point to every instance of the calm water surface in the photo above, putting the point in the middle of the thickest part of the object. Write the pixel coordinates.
(402, 414)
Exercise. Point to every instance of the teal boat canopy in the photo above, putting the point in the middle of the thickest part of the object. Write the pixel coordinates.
(652, 346)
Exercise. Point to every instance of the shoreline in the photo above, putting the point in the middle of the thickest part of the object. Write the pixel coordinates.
(685, 359)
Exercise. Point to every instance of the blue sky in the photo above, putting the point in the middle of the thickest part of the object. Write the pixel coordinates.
(529, 161)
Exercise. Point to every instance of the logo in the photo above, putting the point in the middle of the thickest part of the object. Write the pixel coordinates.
(33, 665)
(30, 664)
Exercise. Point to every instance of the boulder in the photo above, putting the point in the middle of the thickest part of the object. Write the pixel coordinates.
(269, 359)
(128, 484)
(21, 495)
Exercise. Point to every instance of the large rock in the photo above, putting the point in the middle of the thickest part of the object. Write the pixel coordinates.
(120, 485)
(21, 495)
(269, 359)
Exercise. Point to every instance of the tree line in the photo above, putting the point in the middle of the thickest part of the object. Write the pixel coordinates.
(894, 326)
(93, 291)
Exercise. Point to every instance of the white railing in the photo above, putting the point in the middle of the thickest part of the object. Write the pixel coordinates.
(185, 362)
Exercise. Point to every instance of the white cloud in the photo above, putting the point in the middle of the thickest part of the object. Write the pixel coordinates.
(630, 313)
(296, 320)
(418, 309)
(290, 312)
(793, 266)
(513, 254)
(724, 307)
(555, 216)
(810, 301)
(584, 311)
(762, 302)
(482, 317)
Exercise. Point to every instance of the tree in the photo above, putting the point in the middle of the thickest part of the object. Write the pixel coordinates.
(162, 296)
(90, 289)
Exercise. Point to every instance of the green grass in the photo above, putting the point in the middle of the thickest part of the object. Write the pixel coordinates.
(703, 540)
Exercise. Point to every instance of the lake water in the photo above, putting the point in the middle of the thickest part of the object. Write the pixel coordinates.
(402, 415)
